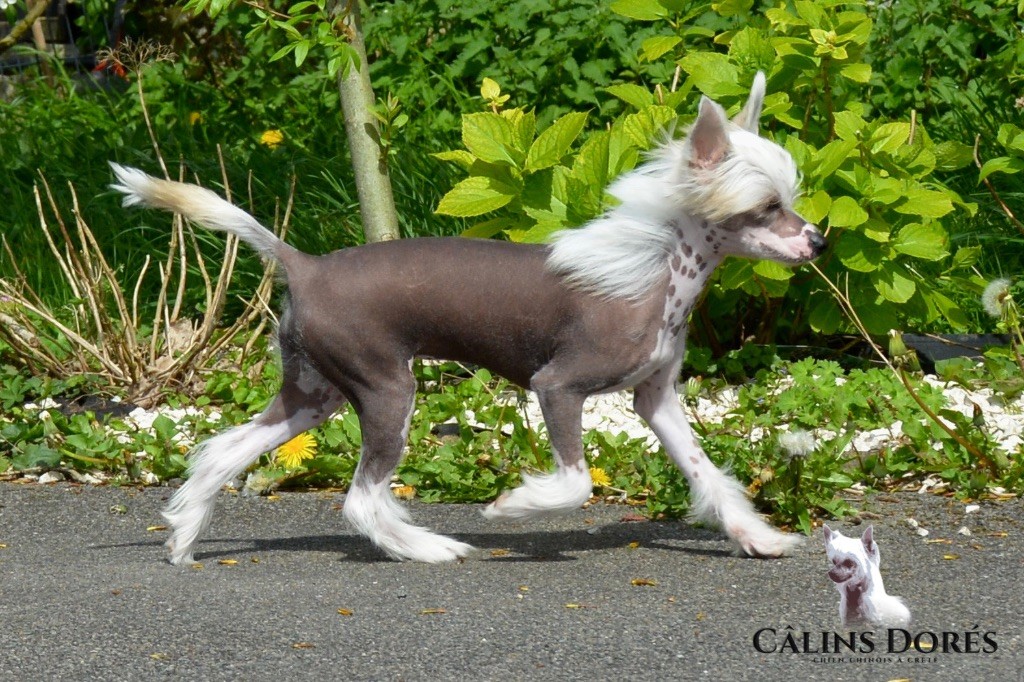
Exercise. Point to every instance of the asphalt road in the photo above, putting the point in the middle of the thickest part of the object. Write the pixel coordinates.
(85, 593)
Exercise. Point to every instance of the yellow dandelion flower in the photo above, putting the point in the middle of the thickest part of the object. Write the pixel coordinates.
(599, 477)
(293, 453)
(194, 118)
(272, 138)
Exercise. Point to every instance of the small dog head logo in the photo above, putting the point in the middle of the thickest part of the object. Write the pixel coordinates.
(855, 572)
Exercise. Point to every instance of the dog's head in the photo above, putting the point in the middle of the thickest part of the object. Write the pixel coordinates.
(851, 558)
(745, 185)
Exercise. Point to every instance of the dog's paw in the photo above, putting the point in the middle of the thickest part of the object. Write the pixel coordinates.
(179, 557)
(764, 543)
(554, 494)
(419, 544)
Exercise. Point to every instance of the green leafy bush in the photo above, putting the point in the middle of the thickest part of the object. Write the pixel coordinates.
(871, 183)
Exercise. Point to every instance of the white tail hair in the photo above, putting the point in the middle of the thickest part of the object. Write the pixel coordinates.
(196, 203)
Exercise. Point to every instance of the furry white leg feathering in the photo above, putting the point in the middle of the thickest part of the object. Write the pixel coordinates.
(561, 492)
(721, 500)
(375, 513)
(213, 463)
(717, 497)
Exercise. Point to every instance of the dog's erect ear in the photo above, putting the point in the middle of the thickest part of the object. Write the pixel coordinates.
(751, 113)
(828, 535)
(870, 546)
(708, 139)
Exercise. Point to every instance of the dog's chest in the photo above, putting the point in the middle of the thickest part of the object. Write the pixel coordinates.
(688, 272)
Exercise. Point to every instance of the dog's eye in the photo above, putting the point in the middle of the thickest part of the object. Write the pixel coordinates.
(773, 206)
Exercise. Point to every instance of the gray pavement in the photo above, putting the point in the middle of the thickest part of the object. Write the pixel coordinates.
(85, 593)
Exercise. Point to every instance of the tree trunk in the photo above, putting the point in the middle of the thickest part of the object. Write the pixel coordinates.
(34, 12)
(373, 183)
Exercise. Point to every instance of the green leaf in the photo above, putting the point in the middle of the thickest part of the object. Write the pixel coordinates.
(490, 228)
(1001, 164)
(489, 89)
(713, 73)
(36, 455)
(952, 155)
(301, 50)
(642, 10)
(948, 309)
(475, 196)
(591, 163)
(644, 126)
(734, 273)
(927, 203)
(846, 213)
(848, 125)
(826, 317)
(830, 157)
(965, 257)
(552, 144)
(634, 95)
(656, 47)
(459, 157)
(893, 284)
(889, 137)
(772, 270)
(858, 73)
(1011, 137)
(927, 241)
(488, 136)
(858, 253)
(815, 207)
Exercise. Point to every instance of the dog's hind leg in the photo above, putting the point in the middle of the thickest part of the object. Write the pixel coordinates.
(385, 409)
(717, 497)
(306, 399)
(569, 486)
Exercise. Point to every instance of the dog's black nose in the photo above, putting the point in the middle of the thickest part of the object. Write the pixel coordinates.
(818, 243)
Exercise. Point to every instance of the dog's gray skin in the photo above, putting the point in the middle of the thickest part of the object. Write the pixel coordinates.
(357, 317)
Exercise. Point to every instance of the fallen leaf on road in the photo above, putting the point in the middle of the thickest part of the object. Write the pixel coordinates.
(404, 492)
(998, 534)
(950, 557)
(303, 645)
(159, 656)
(151, 529)
(633, 518)
(345, 612)
(499, 552)
(938, 541)
(429, 612)
(228, 562)
(643, 582)
(273, 498)
(198, 566)
(633, 545)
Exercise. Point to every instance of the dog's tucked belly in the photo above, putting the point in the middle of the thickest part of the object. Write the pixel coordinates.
(480, 301)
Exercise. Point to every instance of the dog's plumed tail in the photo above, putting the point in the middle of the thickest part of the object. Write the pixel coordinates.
(196, 203)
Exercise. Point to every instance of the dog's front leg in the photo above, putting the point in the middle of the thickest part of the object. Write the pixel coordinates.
(716, 497)
(569, 486)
